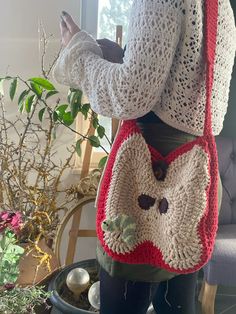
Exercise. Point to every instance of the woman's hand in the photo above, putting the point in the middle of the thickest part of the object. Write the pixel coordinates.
(111, 51)
(68, 28)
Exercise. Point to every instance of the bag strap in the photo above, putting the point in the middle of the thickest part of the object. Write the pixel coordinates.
(211, 9)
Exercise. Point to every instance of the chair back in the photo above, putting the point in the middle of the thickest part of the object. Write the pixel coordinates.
(227, 167)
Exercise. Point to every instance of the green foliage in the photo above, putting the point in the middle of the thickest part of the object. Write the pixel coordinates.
(51, 93)
(36, 94)
(10, 254)
(62, 115)
(95, 122)
(22, 98)
(67, 118)
(41, 114)
(29, 103)
(84, 110)
(75, 99)
(102, 162)
(22, 300)
(61, 110)
(94, 141)
(36, 89)
(43, 83)
(13, 87)
(101, 131)
(78, 148)
(55, 116)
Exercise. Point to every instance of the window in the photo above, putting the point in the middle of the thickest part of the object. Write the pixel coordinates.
(110, 14)
(100, 18)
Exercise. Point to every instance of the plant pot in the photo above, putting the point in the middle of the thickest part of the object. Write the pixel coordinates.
(60, 306)
(28, 266)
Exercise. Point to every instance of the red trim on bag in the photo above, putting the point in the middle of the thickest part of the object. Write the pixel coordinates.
(146, 253)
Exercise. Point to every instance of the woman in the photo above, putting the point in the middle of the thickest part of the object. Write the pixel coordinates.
(161, 83)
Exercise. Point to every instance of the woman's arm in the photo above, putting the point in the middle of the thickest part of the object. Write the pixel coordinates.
(131, 89)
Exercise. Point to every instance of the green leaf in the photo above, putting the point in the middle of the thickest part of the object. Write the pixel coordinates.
(95, 122)
(29, 102)
(21, 99)
(36, 89)
(15, 249)
(41, 114)
(85, 109)
(94, 141)
(21, 107)
(75, 103)
(74, 93)
(78, 147)
(61, 110)
(85, 114)
(13, 87)
(42, 82)
(101, 131)
(102, 162)
(51, 93)
(55, 116)
(22, 96)
(75, 108)
(67, 118)
(77, 97)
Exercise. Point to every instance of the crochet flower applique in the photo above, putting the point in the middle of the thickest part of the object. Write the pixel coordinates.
(122, 225)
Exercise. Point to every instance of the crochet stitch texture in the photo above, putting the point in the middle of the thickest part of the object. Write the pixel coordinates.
(178, 232)
(169, 223)
(184, 187)
(163, 69)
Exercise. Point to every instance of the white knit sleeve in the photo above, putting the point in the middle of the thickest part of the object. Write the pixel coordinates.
(131, 89)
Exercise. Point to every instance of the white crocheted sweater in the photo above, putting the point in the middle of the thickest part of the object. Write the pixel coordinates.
(163, 69)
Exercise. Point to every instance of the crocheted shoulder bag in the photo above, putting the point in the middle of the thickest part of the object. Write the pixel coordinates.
(157, 210)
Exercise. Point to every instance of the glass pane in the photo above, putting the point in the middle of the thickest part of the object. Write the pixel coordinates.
(110, 14)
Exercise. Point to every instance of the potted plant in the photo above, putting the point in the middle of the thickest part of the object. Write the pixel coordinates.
(62, 298)
(30, 185)
(13, 298)
(30, 177)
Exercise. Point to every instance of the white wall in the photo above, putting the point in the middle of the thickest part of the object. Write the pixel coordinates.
(20, 55)
(19, 22)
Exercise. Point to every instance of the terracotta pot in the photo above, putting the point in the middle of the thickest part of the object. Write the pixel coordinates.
(28, 266)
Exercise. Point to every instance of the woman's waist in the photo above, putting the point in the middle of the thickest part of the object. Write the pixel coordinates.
(160, 135)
